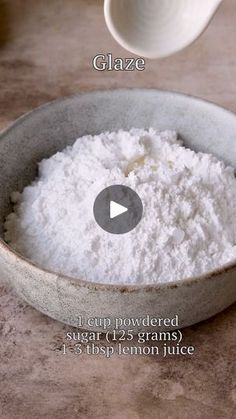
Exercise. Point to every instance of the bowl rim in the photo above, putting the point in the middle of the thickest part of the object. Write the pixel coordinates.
(121, 287)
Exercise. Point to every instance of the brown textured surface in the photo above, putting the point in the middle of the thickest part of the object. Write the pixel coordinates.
(46, 48)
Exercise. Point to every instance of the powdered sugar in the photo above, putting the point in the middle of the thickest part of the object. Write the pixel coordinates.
(189, 220)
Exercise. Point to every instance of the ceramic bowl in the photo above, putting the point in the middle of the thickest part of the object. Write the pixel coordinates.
(157, 28)
(39, 134)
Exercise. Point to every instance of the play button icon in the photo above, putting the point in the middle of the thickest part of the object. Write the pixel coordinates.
(118, 209)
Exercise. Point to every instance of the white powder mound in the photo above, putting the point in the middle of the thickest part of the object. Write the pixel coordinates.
(189, 219)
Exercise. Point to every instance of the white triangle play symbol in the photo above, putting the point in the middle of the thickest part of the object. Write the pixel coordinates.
(116, 209)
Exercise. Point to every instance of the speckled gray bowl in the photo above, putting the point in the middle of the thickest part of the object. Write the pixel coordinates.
(203, 126)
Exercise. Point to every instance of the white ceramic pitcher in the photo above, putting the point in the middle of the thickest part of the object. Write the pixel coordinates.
(157, 28)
